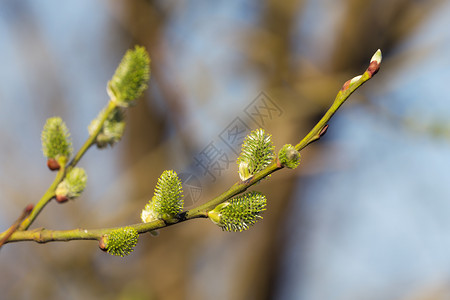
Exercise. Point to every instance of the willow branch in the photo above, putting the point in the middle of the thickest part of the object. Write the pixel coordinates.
(201, 211)
(48, 195)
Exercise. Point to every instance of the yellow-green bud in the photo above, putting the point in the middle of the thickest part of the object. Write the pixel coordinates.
(120, 242)
(289, 157)
(167, 201)
(256, 154)
(72, 186)
(112, 129)
(239, 213)
(56, 143)
(131, 77)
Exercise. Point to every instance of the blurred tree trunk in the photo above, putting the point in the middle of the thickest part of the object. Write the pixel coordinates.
(163, 265)
(256, 277)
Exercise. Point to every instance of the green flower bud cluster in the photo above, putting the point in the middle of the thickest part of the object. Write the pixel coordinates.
(56, 143)
(120, 242)
(289, 157)
(72, 186)
(167, 201)
(112, 129)
(256, 154)
(127, 84)
(131, 77)
(239, 213)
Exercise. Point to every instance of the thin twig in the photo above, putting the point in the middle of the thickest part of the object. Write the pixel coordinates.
(16, 224)
(50, 193)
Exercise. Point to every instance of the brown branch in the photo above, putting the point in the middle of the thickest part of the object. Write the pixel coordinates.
(16, 224)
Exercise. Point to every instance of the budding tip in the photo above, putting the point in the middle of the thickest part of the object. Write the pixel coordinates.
(375, 63)
(377, 57)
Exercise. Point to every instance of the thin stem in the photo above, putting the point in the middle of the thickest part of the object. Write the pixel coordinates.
(91, 139)
(237, 188)
(16, 224)
(342, 95)
(42, 235)
(50, 193)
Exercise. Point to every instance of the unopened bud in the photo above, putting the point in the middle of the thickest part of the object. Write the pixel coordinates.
(375, 63)
(56, 143)
(72, 186)
(289, 157)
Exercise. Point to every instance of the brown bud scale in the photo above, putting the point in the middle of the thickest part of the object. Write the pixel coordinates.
(323, 131)
(346, 85)
(102, 244)
(61, 198)
(373, 68)
(279, 165)
(53, 164)
(28, 208)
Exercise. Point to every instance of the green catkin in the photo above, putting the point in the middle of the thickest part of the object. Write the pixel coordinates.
(256, 154)
(55, 139)
(167, 201)
(239, 213)
(131, 77)
(121, 242)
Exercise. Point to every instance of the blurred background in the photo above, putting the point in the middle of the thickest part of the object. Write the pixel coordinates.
(365, 216)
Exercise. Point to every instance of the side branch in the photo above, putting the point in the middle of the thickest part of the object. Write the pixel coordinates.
(347, 89)
(50, 193)
(16, 224)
